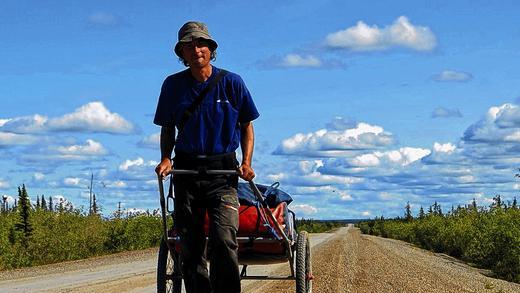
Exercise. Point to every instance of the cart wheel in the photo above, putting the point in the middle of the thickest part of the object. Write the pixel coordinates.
(303, 264)
(169, 276)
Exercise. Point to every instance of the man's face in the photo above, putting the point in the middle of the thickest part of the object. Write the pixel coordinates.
(196, 53)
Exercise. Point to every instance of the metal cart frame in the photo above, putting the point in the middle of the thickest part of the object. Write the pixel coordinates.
(297, 251)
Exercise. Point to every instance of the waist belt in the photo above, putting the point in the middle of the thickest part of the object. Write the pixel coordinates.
(224, 161)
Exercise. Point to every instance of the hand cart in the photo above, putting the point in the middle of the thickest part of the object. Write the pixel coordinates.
(274, 240)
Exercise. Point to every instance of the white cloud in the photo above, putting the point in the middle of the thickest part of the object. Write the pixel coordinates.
(8, 199)
(118, 184)
(401, 33)
(91, 148)
(58, 200)
(91, 117)
(452, 75)
(38, 176)
(4, 184)
(444, 147)
(11, 139)
(501, 124)
(366, 213)
(380, 182)
(401, 157)
(313, 179)
(295, 60)
(71, 181)
(363, 136)
(151, 141)
(441, 112)
(137, 163)
(305, 209)
(130, 163)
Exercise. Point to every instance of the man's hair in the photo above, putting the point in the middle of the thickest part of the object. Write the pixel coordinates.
(213, 57)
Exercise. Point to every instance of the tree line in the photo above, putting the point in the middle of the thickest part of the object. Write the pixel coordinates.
(486, 236)
(53, 232)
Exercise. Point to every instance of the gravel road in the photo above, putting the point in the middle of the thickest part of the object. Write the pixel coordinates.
(342, 262)
(352, 262)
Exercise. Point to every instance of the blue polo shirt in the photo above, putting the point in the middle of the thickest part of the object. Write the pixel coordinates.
(214, 126)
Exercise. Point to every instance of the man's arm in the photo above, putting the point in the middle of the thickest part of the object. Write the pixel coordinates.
(247, 142)
(167, 144)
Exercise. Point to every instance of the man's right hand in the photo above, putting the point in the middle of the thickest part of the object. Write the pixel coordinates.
(164, 168)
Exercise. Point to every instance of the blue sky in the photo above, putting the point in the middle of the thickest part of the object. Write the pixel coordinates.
(364, 106)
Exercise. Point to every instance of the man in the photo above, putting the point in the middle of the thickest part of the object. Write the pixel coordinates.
(208, 135)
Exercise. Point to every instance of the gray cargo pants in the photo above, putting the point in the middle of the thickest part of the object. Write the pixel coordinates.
(217, 196)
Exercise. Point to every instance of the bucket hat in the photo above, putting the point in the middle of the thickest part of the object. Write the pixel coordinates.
(193, 30)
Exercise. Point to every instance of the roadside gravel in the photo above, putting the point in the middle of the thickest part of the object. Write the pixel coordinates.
(352, 262)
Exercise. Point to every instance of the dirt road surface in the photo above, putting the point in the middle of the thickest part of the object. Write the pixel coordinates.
(342, 262)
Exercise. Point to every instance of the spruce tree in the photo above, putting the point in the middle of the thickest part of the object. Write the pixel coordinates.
(4, 203)
(474, 205)
(24, 210)
(514, 204)
(51, 205)
(408, 212)
(421, 213)
(497, 202)
(38, 203)
(60, 209)
(44, 203)
(94, 205)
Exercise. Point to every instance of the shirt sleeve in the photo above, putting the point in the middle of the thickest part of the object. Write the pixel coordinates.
(247, 109)
(163, 113)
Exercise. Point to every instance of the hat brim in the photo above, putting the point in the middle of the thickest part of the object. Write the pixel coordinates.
(177, 49)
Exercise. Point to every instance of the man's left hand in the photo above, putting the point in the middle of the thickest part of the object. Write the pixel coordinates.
(246, 172)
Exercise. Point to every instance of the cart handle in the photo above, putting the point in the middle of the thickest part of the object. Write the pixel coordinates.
(203, 171)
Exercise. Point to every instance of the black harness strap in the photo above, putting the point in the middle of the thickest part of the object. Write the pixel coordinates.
(198, 100)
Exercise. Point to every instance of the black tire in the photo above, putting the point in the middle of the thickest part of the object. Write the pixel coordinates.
(169, 276)
(303, 264)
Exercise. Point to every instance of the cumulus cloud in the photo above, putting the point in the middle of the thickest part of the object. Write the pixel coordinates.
(91, 148)
(501, 124)
(452, 75)
(137, 169)
(91, 117)
(402, 33)
(441, 112)
(403, 156)
(334, 142)
(379, 181)
(444, 147)
(304, 209)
